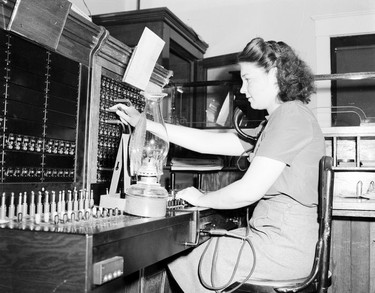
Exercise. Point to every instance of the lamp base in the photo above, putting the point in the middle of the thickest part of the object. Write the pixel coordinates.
(146, 206)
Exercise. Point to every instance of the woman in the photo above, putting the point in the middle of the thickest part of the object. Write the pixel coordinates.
(282, 177)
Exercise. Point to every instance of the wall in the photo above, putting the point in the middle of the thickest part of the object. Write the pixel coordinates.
(228, 25)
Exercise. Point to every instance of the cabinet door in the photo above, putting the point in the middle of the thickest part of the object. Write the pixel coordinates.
(352, 100)
(353, 255)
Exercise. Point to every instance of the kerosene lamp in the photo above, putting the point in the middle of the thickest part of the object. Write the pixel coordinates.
(148, 152)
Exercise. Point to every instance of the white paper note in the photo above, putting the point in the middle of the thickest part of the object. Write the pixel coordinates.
(143, 59)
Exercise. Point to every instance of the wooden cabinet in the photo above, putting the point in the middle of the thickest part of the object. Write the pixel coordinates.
(353, 225)
(181, 41)
(183, 46)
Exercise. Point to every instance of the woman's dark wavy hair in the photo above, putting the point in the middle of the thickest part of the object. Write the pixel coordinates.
(295, 78)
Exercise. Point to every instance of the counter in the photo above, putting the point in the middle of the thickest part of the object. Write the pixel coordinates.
(353, 207)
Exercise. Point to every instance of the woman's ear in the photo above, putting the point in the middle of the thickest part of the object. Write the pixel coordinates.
(272, 75)
(273, 72)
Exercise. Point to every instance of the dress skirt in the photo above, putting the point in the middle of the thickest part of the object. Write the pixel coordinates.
(284, 235)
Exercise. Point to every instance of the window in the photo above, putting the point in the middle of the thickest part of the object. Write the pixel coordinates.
(353, 101)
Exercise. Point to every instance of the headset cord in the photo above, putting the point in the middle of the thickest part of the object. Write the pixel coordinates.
(240, 157)
(262, 126)
(245, 240)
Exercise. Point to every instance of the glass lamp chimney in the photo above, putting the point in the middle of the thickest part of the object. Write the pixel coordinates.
(148, 153)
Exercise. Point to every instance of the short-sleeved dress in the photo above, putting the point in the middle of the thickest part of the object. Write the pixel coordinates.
(283, 226)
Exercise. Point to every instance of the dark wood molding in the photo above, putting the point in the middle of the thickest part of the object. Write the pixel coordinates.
(218, 61)
(79, 38)
(70, 34)
(162, 14)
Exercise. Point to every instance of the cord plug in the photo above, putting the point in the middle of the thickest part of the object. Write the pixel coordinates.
(215, 232)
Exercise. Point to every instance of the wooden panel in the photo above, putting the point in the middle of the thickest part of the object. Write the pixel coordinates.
(146, 249)
(114, 55)
(6, 11)
(352, 256)
(27, 262)
(372, 258)
(360, 253)
(340, 255)
(41, 20)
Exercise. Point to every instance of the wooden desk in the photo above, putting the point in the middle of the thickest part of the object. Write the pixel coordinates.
(60, 257)
(353, 246)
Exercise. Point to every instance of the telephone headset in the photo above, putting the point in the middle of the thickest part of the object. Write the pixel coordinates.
(238, 116)
(245, 116)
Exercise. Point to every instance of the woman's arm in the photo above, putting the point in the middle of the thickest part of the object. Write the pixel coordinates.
(198, 140)
(257, 180)
(204, 141)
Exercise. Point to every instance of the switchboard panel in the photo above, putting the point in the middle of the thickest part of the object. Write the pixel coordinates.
(39, 107)
(111, 92)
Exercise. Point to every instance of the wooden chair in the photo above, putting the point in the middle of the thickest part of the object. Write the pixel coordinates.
(320, 278)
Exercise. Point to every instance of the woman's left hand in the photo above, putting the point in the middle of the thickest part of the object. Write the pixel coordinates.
(191, 195)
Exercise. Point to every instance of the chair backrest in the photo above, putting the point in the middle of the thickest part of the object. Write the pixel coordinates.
(326, 183)
(319, 275)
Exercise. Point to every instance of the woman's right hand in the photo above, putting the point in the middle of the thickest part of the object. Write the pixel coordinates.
(191, 195)
(127, 114)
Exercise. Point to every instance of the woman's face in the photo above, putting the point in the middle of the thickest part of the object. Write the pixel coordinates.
(260, 87)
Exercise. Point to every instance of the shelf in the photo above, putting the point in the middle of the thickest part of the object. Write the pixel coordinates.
(353, 144)
(353, 169)
(353, 131)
